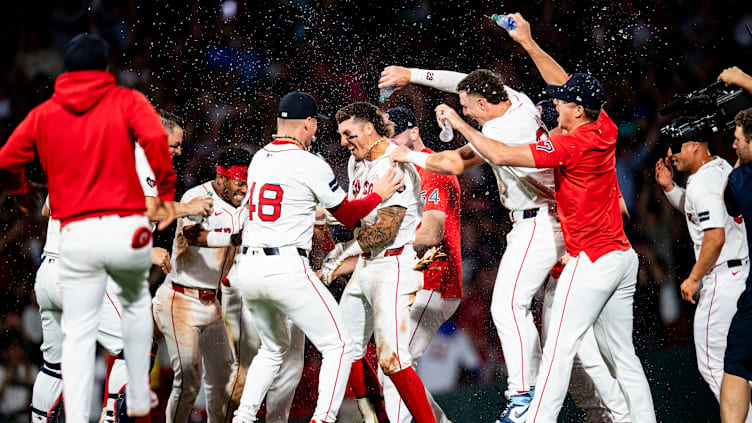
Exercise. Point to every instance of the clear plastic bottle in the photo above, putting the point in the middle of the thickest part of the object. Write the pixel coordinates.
(385, 92)
(504, 21)
(447, 133)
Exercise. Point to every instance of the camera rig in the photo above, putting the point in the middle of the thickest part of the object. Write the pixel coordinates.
(703, 113)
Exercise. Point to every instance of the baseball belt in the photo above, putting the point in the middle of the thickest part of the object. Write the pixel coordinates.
(200, 293)
(517, 215)
(387, 253)
(272, 251)
(728, 264)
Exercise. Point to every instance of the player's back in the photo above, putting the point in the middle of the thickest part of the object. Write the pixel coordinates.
(284, 185)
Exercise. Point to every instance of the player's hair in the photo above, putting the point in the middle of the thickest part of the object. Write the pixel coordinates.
(486, 84)
(367, 113)
(592, 114)
(229, 157)
(169, 120)
(743, 119)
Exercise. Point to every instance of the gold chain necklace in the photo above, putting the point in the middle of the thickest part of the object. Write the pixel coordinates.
(377, 142)
(276, 137)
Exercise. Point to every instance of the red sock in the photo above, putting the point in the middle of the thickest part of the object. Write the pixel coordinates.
(365, 383)
(142, 419)
(110, 362)
(413, 392)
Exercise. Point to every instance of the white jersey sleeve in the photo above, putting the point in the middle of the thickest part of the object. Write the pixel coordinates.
(676, 197)
(324, 185)
(52, 243)
(145, 174)
(440, 79)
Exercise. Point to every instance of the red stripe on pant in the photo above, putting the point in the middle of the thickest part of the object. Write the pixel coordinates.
(558, 332)
(339, 334)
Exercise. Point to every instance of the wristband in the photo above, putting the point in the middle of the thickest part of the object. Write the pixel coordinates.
(218, 239)
(417, 158)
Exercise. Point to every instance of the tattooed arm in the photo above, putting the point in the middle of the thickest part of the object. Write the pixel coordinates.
(381, 233)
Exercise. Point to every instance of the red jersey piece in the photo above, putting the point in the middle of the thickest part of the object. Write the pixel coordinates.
(587, 192)
(84, 136)
(442, 192)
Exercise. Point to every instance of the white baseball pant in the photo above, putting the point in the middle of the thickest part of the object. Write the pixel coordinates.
(720, 291)
(279, 287)
(592, 294)
(534, 245)
(90, 250)
(592, 386)
(48, 386)
(196, 339)
(428, 312)
(245, 345)
(377, 301)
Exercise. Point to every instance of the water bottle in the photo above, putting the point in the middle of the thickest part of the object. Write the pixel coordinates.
(385, 92)
(447, 133)
(504, 21)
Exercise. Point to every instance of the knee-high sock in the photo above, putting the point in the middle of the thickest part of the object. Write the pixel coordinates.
(413, 392)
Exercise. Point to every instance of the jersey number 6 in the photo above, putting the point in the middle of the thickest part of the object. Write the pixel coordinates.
(266, 202)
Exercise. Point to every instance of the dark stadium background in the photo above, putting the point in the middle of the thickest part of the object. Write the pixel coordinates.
(225, 76)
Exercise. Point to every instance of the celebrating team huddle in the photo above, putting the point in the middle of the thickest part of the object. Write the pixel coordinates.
(242, 291)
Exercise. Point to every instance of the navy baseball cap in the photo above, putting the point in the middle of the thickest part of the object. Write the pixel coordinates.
(548, 113)
(580, 88)
(299, 105)
(403, 119)
(86, 52)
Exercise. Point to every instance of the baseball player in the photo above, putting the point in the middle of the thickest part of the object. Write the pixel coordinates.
(285, 182)
(377, 299)
(47, 387)
(535, 242)
(186, 309)
(722, 262)
(92, 122)
(592, 386)
(601, 276)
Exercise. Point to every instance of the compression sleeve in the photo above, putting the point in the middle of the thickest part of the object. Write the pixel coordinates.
(439, 79)
(350, 212)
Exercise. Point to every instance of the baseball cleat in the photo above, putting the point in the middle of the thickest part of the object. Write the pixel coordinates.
(516, 407)
(367, 411)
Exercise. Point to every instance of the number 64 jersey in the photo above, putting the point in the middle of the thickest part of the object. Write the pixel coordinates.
(284, 185)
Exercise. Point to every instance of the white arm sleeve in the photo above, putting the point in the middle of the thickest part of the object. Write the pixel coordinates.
(439, 79)
(676, 197)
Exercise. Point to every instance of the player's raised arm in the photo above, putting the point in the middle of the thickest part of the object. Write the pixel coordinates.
(664, 175)
(398, 76)
(549, 69)
(449, 162)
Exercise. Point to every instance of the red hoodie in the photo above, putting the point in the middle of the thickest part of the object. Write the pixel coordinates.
(84, 136)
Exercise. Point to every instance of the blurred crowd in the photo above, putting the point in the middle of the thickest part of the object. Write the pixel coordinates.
(223, 65)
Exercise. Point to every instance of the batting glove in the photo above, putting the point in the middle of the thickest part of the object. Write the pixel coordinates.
(336, 257)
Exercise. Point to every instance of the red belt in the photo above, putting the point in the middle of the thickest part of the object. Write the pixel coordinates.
(387, 253)
(201, 294)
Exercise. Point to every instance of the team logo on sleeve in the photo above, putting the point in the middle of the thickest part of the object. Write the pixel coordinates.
(738, 219)
(545, 145)
(150, 181)
(703, 216)
(333, 185)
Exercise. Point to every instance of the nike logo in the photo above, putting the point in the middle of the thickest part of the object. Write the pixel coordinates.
(217, 214)
(735, 273)
(519, 414)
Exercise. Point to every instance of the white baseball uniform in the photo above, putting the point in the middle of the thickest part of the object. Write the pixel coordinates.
(245, 345)
(48, 385)
(188, 314)
(273, 274)
(703, 207)
(377, 298)
(535, 242)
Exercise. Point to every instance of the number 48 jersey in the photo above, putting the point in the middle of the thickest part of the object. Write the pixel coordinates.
(284, 185)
